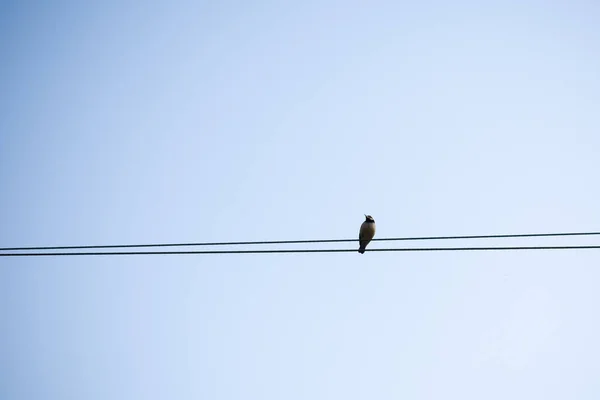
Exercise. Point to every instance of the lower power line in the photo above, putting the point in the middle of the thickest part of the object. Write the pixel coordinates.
(200, 252)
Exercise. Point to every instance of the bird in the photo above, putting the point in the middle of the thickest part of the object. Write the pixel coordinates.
(367, 231)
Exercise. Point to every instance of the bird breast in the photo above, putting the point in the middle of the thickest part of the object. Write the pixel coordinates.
(367, 230)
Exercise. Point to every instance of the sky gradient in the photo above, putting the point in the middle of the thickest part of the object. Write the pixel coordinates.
(129, 122)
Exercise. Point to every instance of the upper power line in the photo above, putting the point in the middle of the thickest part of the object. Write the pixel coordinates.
(405, 249)
(268, 242)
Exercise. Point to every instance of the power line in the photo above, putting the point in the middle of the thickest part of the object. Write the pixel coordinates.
(417, 238)
(405, 249)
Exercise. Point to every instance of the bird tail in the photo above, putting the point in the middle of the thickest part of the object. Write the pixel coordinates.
(361, 250)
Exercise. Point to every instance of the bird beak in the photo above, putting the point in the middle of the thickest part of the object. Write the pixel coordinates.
(365, 215)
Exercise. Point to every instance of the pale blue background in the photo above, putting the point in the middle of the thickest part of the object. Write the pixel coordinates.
(137, 122)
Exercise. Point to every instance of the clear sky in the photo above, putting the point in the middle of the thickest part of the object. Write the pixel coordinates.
(144, 122)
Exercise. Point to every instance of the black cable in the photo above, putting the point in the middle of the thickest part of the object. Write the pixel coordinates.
(406, 249)
(521, 235)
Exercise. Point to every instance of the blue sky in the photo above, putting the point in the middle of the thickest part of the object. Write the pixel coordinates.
(129, 122)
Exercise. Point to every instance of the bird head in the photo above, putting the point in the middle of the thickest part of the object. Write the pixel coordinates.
(369, 218)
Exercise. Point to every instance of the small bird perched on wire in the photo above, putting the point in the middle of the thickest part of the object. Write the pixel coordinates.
(367, 231)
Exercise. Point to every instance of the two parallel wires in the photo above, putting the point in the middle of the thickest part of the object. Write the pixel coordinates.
(101, 250)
